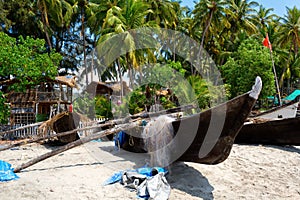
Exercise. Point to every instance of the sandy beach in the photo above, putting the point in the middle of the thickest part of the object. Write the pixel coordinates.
(250, 172)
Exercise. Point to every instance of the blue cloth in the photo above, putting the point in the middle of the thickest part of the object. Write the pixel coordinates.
(144, 123)
(114, 178)
(6, 172)
(147, 171)
(120, 138)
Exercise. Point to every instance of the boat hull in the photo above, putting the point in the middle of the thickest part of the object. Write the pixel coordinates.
(69, 121)
(218, 149)
(206, 137)
(272, 132)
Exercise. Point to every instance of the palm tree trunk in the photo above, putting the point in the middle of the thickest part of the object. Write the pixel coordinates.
(84, 52)
(120, 76)
(92, 65)
(205, 30)
(204, 34)
(46, 32)
(130, 71)
(286, 66)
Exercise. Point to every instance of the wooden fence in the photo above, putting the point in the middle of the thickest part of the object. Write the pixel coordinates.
(31, 130)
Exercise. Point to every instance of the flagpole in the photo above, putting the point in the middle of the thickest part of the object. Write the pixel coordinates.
(274, 71)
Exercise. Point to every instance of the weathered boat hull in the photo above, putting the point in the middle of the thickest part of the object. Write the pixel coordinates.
(272, 132)
(206, 137)
(237, 111)
(69, 121)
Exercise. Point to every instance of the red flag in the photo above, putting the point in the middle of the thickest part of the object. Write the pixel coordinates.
(267, 43)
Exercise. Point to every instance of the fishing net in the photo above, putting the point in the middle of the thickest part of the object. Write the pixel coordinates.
(157, 134)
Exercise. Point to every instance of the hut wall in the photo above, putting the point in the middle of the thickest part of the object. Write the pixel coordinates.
(39, 101)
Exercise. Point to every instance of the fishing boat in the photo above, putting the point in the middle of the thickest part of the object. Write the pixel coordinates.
(206, 137)
(280, 126)
(62, 122)
(66, 121)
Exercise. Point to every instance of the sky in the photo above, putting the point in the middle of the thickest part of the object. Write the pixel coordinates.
(278, 5)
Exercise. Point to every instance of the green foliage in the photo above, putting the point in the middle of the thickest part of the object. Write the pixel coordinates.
(251, 59)
(178, 67)
(103, 107)
(138, 101)
(26, 60)
(201, 90)
(4, 114)
(207, 94)
(41, 117)
(85, 105)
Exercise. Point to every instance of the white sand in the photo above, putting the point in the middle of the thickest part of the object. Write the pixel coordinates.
(250, 172)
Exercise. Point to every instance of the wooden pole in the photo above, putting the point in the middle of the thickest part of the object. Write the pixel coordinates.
(75, 144)
(111, 123)
(274, 71)
(276, 79)
(52, 136)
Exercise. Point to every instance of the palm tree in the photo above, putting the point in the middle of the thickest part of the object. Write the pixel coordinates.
(240, 14)
(288, 36)
(85, 9)
(207, 12)
(44, 6)
(208, 17)
(163, 13)
(264, 17)
(54, 12)
(120, 20)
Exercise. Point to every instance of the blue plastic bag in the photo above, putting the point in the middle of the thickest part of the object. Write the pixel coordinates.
(6, 172)
(114, 178)
(148, 171)
(120, 139)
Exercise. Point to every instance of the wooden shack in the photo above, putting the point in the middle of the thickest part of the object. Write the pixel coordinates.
(41, 102)
(99, 88)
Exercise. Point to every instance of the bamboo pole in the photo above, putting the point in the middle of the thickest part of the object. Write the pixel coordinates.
(110, 123)
(274, 71)
(24, 142)
(75, 144)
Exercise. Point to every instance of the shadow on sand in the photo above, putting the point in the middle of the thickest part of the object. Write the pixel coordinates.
(181, 176)
(63, 166)
(189, 180)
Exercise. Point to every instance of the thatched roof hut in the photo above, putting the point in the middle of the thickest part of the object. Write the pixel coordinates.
(67, 80)
(117, 88)
(51, 95)
(99, 88)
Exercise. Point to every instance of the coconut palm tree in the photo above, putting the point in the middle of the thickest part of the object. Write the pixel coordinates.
(289, 36)
(206, 13)
(163, 13)
(85, 10)
(120, 20)
(54, 12)
(240, 14)
(44, 6)
(264, 17)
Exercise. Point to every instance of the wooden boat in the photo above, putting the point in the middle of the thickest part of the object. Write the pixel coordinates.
(280, 126)
(206, 137)
(288, 110)
(66, 121)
